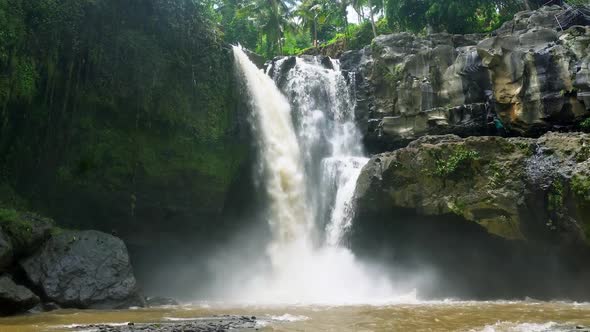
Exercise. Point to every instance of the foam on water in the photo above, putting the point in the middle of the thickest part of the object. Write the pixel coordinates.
(522, 327)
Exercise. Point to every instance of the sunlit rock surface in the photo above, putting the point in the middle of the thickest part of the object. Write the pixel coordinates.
(517, 188)
(532, 74)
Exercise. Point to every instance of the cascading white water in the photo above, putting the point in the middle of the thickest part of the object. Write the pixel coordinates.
(310, 173)
(334, 157)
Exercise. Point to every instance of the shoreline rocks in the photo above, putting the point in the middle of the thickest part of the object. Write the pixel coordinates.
(205, 324)
(43, 267)
(15, 298)
(84, 269)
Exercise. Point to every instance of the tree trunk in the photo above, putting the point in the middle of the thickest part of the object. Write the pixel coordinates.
(527, 4)
(372, 18)
(315, 32)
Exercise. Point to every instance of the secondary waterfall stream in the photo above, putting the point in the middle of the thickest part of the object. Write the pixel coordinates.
(311, 156)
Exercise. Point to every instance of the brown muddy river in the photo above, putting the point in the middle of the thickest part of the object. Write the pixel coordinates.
(430, 316)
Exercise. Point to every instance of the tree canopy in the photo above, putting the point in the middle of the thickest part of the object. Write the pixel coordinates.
(280, 27)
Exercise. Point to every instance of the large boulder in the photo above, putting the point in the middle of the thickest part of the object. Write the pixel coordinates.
(84, 269)
(15, 298)
(537, 190)
(532, 75)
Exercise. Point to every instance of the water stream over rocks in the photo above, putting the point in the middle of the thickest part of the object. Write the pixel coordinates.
(311, 156)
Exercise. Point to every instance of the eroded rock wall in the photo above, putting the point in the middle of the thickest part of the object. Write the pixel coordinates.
(531, 75)
(535, 190)
(480, 217)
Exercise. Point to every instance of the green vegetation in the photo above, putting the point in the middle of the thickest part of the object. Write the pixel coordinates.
(106, 103)
(498, 177)
(459, 160)
(555, 197)
(585, 125)
(20, 227)
(17, 228)
(454, 16)
(283, 27)
(457, 207)
(581, 186)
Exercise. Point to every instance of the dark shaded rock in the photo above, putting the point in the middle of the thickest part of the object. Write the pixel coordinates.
(5, 251)
(84, 269)
(257, 59)
(155, 301)
(279, 68)
(15, 298)
(481, 217)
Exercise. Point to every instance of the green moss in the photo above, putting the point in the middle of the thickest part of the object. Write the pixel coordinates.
(555, 197)
(525, 147)
(585, 125)
(458, 208)
(459, 161)
(26, 77)
(498, 176)
(18, 228)
(581, 186)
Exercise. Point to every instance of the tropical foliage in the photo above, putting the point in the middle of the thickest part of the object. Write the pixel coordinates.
(281, 27)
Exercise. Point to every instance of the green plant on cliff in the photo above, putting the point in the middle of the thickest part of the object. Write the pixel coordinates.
(555, 196)
(585, 125)
(459, 161)
(581, 186)
(17, 227)
(498, 175)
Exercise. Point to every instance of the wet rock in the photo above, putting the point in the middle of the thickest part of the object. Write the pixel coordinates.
(15, 298)
(84, 269)
(530, 74)
(517, 188)
(257, 59)
(5, 251)
(205, 324)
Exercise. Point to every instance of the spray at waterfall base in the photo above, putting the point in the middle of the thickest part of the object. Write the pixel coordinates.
(310, 158)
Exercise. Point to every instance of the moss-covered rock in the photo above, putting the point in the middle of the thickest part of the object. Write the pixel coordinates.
(117, 115)
(25, 231)
(517, 188)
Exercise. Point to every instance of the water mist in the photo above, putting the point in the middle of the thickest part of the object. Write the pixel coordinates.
(311, 157)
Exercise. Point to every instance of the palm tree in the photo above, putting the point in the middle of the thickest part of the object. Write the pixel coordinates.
(272, 18)
(313, 14)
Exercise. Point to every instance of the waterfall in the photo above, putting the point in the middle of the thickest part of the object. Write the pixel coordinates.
(311, 157)
(323, 106)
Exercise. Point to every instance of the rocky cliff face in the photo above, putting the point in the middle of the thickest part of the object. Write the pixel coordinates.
(516, 188)
(532, 75)
(503, 210)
